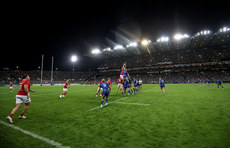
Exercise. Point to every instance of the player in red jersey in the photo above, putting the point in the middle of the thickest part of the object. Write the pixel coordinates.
(120, 85)
(23, 96)
(84, 84)
(99, 88)
(65, 89)
(122, 70)
(110, 84)
(11, 86)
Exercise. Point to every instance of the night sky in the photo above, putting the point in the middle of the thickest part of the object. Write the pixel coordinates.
(60, 30)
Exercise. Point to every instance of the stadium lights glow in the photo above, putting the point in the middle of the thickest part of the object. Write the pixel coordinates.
(145, 42)
(107, 49)
(96, 51)
(205, 32)
(224, 29)
(180, 36)
(133, 44)
(74, 58)
(163, 39)
(118, 47)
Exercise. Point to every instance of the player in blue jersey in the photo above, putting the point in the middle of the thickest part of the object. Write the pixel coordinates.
(125, 85)
(130, 86)
(219, 83)
(105, 87)
(209, 83)
(162, 85)
(135, 86)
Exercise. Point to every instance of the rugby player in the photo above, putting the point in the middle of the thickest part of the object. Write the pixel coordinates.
(162, 85)
(65, 89)
(105, 87)
(23, 96)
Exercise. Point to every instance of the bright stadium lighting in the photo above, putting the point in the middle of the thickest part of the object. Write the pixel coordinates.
(205, 32)
(180, 36)
(224, 29)
(133, 44)
(107, 49)
(145, 42)
(118, 47)
(74, 58)
(163, 39)
(96, 51)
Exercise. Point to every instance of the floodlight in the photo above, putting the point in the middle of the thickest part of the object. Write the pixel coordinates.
(96, 51)
(163, 39)
(145, 42)
(118, 47)
(74, 58)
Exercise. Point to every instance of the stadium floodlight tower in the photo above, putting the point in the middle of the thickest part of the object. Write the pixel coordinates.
(145, 42)
(224, 29)
(96, 51)
(163, 39)
(74, 60)
(178, 36)
(117, 47)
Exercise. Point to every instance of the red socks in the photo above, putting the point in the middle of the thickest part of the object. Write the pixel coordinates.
(22, 114)
(11, 115)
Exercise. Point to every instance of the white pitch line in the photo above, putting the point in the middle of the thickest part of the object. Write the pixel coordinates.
(133, 103)
(51, 142)
(108, 103)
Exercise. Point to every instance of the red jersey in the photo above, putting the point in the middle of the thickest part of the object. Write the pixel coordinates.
(120, 81)
(109, 82)
(11, 84)
(99, 84)
(122, 72)
(66, 84)
(21, 90)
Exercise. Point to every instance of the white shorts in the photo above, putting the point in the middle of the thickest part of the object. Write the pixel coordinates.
(11, 87)
(64, 89)
(121, 76)
(22, 99)
(120, 85)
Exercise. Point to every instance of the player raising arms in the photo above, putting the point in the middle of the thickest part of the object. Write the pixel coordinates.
(162, 85)
(122, 71)
(105, 87)
(23, 96)
(11, 86)
(65, 89)
(120, 85)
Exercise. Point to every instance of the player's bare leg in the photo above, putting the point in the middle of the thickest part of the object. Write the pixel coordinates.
(9, 118)
(117, 89)
(98, 91)
(24, 110)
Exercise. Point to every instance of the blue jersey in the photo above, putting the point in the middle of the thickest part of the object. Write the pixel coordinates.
(135, 83)
(218, 82)
(129, 84)
(162, 83)
(125, 83)
(105, 86)
(125, 73)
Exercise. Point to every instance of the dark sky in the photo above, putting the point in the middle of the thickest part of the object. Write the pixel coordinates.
(60, 30)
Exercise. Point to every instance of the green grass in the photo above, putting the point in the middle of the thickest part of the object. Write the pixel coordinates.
(189, 115)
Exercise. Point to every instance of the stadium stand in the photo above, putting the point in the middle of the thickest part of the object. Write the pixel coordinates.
(190, 60)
